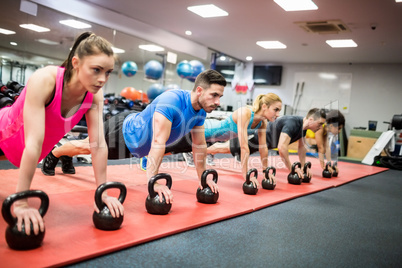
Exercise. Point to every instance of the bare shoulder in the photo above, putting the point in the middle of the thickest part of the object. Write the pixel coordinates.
(47, 73)
(42, 81)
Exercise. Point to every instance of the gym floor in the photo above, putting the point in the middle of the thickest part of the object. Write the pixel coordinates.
(358, 224)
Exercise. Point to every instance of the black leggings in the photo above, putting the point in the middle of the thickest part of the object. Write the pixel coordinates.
(113, 128)
(253, 145)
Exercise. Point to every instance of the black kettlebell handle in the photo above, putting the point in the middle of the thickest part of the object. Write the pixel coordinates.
(6, 208)
(295, 164)
(328, 164)
(266, 171)
(107, 185)
(335, 164)
(204, 177)
(155, 178)
(306, 166)
(251, 171)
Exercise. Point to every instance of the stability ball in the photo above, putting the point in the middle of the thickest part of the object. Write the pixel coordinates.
(130, 93)
(184, 69)
(153, 69)
(129, 68)
(198, 68)
(154, 91)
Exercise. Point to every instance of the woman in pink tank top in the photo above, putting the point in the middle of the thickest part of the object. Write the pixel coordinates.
(52, 103)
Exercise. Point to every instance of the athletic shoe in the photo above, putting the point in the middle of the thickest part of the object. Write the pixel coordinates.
(189, 159)
(49, 164)
(67, 164)
(210, 160)
(143, 163)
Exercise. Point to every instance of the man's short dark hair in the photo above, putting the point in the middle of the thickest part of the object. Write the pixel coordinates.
(209, 77)
(316, 113)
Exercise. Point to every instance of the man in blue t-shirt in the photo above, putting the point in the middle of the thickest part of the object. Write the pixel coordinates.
(169, 117)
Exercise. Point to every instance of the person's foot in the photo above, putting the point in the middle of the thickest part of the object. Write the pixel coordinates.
(143, 163)
(210, 160)
(189, 159)
(67, 164)
(49, 164)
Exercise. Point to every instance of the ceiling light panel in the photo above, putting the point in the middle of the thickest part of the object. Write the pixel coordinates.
(341, 43)
(76, 24)
(118, 50)
(296, 5)
(34, 27)
(47, 42)
(208, 11)
(271, 44)
(6, 32)
(152, 48)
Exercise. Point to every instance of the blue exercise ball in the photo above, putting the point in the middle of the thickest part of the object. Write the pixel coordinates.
(153, 69)
(184, 69)
(129, 68)
(198, 68)
(154, 91)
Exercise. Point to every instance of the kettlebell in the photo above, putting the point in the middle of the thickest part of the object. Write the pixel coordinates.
(267, 183)
(152, 203)
(325, 172)
(206, 195)
(335, 173)
(305, 177)
(104, 220)
(293, 178)
(248, 186)
(20, 240)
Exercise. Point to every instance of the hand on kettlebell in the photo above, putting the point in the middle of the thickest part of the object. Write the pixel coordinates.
(204, 193)
(154, 204)
(210, 182)
(335, 170)
(23, 212)
(108, 215)
(163, 191)
(326, 173)
(250, 186)
(115, 207)
(294, 177)
(269, 181)
(307, 172)
(21, 239)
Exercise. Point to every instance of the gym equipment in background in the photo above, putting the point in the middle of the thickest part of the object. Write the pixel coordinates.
(153, 70)
(129, 68)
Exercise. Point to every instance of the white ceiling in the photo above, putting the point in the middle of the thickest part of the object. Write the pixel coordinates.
(254, 20)
(235, 35)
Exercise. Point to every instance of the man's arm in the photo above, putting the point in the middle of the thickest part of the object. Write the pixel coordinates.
(301, 151)
(200, 154)
(161, 127)
(283, 148)
(321, 141)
